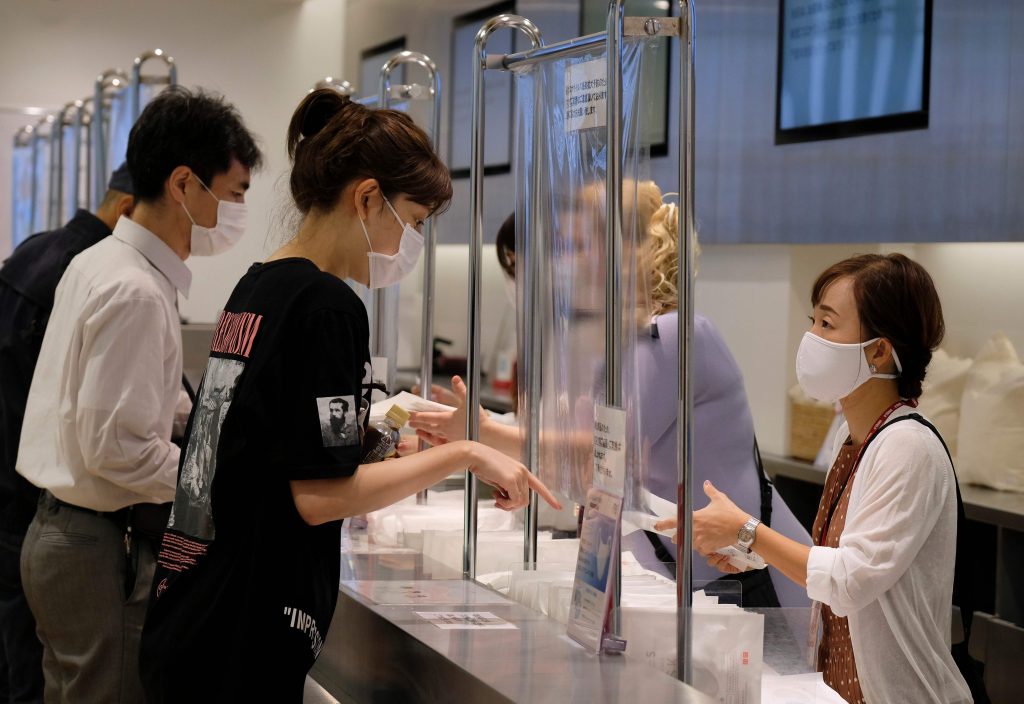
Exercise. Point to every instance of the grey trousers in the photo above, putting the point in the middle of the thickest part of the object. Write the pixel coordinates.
(73, 567)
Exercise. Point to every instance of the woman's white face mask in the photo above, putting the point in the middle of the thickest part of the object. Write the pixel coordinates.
(231, 219)
(829, 371)
(388, 269)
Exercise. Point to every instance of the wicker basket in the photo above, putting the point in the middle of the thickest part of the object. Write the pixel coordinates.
(808, 426)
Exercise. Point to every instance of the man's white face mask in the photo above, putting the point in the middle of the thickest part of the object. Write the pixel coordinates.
(231, 219)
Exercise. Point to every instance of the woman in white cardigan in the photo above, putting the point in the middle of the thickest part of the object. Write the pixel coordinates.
(885, 534)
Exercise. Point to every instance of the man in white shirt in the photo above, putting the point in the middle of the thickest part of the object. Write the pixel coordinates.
(97, 430)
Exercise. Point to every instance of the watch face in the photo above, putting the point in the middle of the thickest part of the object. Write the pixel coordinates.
(746, 535)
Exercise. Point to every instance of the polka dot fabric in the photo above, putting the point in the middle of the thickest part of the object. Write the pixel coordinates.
(835, 652)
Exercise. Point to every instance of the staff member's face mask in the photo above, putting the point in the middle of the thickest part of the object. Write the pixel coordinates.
(388, 269)
(231, 219)
(829, 371)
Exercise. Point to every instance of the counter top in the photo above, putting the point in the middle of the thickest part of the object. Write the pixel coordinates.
(413, 660)
(999, 508)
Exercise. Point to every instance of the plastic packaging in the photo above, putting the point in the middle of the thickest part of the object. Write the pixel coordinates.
(382, 436)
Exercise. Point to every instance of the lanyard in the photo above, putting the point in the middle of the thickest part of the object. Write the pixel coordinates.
(856, 460)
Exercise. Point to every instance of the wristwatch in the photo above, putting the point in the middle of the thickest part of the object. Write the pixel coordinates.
(745, 536)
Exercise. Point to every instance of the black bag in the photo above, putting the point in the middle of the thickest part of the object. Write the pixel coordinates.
(757, 588)
(963, 584)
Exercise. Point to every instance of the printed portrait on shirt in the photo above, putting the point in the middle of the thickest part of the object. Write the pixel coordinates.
(192, 513)
(338, 425)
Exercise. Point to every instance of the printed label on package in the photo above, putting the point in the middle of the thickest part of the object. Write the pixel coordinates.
(586, 95)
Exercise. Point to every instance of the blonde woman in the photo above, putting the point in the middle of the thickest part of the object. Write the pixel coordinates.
(723, 428)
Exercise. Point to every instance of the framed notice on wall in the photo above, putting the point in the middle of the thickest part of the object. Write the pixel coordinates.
(497, 95)
(654, 86)
(851, 67)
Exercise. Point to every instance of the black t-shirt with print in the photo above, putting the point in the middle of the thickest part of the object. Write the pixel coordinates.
(244, 589)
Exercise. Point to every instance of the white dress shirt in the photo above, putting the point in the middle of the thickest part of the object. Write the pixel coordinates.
(892, 574)
(97, 429)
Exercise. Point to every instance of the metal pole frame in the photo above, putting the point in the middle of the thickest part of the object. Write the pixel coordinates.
(67, 117)
(338, 84)
(37, 137)
(384, 96)
(80, 124)
(685, 290)
(107, 83)
(23, 138)
(481, 62)
(170, 79)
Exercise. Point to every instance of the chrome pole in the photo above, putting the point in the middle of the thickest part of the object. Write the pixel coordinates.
(54, 211)
(430, 240)
(613, 249)
(685, 289)
(72, 197)
(536, 264)
(476, 239)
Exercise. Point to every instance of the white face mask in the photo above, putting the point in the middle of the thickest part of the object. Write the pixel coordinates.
(231, 217)
(388, 269)
(829, 371)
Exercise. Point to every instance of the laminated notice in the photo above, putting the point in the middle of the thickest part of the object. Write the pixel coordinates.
(586, 95)
(595, 568)
(610, 449)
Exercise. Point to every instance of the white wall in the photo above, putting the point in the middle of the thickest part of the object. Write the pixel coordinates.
(261, 54)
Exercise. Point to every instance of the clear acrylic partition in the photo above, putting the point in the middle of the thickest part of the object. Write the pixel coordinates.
(21, 193)
(567, 215)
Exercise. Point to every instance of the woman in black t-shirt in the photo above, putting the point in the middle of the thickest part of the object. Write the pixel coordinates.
(247, 576)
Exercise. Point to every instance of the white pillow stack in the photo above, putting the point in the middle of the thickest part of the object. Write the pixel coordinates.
(942, 391)
(991, 434)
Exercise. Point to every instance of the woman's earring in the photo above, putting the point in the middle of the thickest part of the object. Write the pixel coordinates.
(873, 368)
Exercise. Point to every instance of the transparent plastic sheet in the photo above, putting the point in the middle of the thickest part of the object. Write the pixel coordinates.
(41, 175)
(21, 194)
(567, 213)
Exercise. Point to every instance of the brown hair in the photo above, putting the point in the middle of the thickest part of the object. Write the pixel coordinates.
(896, 299)
(333, 141)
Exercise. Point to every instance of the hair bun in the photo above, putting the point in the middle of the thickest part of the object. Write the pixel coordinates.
(322, 105)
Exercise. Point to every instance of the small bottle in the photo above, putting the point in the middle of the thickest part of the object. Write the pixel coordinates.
(381, 439)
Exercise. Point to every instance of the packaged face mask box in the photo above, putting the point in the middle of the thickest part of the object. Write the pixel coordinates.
(728, 653)
(728, 646)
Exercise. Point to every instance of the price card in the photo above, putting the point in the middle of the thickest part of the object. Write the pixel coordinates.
(610, 449)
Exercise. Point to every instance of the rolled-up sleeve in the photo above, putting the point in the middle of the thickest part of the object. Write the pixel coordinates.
(900, 491)
(123, 434)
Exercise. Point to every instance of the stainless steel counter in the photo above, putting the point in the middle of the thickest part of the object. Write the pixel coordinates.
(378, 649)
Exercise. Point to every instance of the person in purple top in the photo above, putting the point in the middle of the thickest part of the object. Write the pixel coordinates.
(724, 448)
